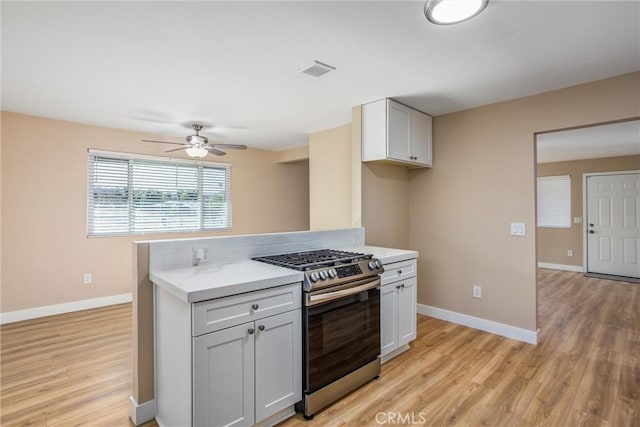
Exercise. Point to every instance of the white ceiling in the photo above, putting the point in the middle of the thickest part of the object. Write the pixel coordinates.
(616, 139)
(134, 65)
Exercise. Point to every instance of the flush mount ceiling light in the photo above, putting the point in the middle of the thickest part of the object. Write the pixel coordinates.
(316, 69)
(447, 12)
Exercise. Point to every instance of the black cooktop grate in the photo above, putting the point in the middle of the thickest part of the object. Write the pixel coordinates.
(313, 259)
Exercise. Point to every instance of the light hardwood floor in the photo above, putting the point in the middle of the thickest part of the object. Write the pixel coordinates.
(74, 369)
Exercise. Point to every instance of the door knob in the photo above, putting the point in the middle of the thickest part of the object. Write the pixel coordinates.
(590, 224)
(591, 231)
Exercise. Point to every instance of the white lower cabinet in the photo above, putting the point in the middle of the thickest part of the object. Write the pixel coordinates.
(243, 374)
(388, 319)
(278, 363)
(407, 306)
(398, 309)
(249, 372)
(223, 384)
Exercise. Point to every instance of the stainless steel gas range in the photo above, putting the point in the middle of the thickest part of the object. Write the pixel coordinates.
(341, 322)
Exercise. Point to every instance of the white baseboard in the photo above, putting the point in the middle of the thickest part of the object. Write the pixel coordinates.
(513, 332)
(385, 358)
(67, 307)
(140, 414)
(564, 267)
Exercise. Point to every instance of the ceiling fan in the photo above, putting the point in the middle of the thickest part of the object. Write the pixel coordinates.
(198, 145)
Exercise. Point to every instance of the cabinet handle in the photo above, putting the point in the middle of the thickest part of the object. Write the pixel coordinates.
(399, 271)
(251, 331)
(254, 306)
(261, 327)
(402, 286)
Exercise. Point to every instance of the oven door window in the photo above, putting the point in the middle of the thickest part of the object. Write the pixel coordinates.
(342, 336)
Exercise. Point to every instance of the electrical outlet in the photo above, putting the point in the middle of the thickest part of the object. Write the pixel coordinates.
(86, 278)
(477, 291)
(569, 252)
(200, 254)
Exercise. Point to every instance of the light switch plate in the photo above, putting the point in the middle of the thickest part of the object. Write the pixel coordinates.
(518, 229)
(577, 220)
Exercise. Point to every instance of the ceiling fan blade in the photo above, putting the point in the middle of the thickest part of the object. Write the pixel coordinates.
(231, 146)
(176, 149)
(163, 142)
(216, 152)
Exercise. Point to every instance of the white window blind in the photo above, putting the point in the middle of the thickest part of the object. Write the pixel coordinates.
(135, 194)
(554, 201)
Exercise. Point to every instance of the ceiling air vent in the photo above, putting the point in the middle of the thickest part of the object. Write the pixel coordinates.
(316, 69)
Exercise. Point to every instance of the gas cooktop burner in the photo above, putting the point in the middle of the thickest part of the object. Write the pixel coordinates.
(308, 260)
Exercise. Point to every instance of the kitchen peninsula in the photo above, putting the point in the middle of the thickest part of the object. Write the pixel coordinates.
(229, 331)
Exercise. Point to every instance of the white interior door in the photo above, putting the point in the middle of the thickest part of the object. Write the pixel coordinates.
(613, 224)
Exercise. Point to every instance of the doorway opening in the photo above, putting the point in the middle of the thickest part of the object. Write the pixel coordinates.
(588, 199)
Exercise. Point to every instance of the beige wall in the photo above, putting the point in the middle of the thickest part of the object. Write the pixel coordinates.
(385, 205)
(356, 166)
(330, 176)
(553, 243)
(45, 250)
(294, 154)
(484, 179)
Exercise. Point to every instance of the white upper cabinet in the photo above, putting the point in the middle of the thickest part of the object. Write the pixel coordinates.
(396, 133)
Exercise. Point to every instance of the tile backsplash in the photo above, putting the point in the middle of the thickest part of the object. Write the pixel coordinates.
(167, 254)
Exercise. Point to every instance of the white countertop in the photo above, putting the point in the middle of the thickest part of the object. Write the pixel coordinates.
(194, 284)
(211, 280)
(387, 255)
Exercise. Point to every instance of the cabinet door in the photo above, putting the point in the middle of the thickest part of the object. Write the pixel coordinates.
(223, 388)
(421, 147)
(278, 363)
(398, 131)
(388, 318)
(407, 299)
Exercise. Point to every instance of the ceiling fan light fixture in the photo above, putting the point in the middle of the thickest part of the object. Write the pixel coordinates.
(448, 12)
(196, 139)
(197, 151)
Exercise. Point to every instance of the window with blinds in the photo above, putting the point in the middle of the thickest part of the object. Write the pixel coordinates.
(554, 201)
(136, 194)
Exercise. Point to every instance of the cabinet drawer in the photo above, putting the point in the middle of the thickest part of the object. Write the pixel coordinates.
(399, 271)
(216, 314)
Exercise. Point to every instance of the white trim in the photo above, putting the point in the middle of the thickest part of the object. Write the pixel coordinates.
(513, 332)
(140, 414)
(129, 156)
(564, 267)
(67, 307)
(386, 357)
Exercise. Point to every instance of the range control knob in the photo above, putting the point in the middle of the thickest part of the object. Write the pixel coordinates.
(314, 277)
(323, 275)
(332, 273)
(371, 265)
(378, 263)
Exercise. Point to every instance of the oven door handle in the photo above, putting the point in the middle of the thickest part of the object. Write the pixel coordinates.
(331, 296)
